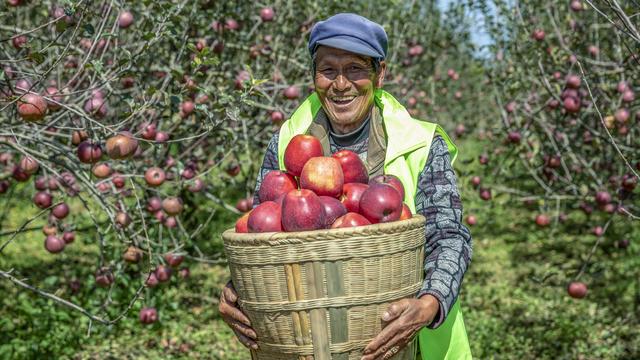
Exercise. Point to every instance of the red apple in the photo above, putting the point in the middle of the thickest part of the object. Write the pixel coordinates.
(104, 277)
(274, 184)
(154, 176)
(78, 136)
(351, 194)
(292, 92)
(302, 210)
(245, 204)
(133, 255)
(89, 153)
(475, 181)
(603, 198)
(96, 106)
(32, 107)
(267, 14)
(406, 212)
(577, 289)
(381, 203)
(184, 273)
(350, 219)
(102, 170)
(148, 131)
(68, 236)
(154, 204)
(187, 107)
(333, 209)
(242, 224)
(174, 260)
(323, 175)
(353, 167)
(42, 199)
(60, 211)
(266, 217)
(163, 273)
(538, 34)
(471, 220)
(152, 280)
(573, 81)
(277, 117)
(54, 244)
(125, 19)
(542, 220)
(391, 180)
(29, 165)
(172, 205)
(121, 146)
(300, 149)
(123, 219)
(148, 315)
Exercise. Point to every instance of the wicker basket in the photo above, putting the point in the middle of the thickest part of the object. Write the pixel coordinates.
(320, 294)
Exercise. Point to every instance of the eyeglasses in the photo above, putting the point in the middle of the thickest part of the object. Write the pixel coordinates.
(352, 72)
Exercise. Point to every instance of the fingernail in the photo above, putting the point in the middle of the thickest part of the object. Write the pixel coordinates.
(386, 316)
(254, 346)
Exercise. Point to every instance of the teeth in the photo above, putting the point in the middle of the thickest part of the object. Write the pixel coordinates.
(343, 98)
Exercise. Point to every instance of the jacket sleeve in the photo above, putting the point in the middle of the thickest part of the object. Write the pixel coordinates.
(448, 248)
(269, 162)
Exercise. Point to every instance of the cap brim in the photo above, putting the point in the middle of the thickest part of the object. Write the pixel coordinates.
(350, 44)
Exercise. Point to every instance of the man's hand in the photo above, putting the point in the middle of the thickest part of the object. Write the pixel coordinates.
(235, 318)
(400, 323)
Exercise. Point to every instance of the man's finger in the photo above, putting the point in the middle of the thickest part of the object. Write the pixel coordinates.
(242, 328)
(394, 310)
(245, 340)
(229, 293)
(386, 350)
(382, 338)
(234, 313)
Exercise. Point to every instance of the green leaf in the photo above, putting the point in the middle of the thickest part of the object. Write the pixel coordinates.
(151, 90)
(61, 26)
(89, 30)
(36, 57)
(97, 65)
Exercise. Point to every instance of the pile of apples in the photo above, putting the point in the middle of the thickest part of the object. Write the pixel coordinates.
(323, 192)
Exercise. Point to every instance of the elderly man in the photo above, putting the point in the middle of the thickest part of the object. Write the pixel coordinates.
(349, 110)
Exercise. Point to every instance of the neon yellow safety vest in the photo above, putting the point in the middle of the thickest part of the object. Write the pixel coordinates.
(408, 144)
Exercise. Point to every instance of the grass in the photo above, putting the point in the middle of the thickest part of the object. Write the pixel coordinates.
(513, 297)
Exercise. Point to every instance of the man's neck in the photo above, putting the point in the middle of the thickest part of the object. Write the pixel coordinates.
(354, 136)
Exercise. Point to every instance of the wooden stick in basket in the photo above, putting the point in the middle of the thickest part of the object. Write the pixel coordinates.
(291, 294)
(304, 318)
(319, 331)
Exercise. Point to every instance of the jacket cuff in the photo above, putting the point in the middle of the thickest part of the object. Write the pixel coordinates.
(441, 315)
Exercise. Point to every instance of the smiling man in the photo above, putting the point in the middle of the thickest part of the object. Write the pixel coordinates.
(349, 110)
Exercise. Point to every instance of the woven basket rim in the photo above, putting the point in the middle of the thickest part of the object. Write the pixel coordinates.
(231, 236)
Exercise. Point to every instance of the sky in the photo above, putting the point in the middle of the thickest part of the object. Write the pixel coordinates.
(478, 35)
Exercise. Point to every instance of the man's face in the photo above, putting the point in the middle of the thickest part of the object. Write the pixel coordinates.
(345, 83)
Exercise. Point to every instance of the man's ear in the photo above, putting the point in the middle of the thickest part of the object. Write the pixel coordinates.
(380, 75)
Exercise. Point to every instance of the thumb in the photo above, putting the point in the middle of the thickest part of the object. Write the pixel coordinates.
(394, 310)
(230, 293)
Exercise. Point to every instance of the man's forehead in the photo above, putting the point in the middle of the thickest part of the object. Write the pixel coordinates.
(332, 54)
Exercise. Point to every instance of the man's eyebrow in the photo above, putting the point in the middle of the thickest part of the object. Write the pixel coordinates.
(356, 60)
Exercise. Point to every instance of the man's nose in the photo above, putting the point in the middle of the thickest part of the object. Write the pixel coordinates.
(342, 83)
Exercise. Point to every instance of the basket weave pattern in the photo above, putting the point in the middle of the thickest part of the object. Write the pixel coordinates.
(320, 294)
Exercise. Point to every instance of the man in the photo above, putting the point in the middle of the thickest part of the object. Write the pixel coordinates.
(349, 110)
